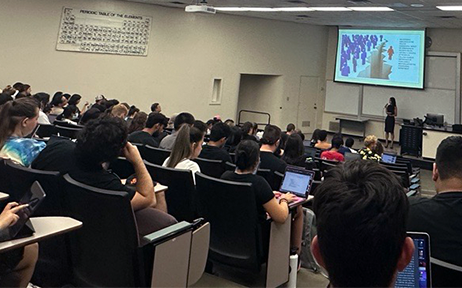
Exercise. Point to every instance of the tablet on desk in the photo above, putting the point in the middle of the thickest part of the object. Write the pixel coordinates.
(33, 197)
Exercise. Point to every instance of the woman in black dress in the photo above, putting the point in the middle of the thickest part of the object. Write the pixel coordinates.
(392, 112)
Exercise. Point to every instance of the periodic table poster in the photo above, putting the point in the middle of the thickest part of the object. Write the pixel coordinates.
(93, 31)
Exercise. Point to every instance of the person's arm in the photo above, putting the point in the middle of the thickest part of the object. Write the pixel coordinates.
(84, 109)
(144, 196)
(396, 112)
(279, 209)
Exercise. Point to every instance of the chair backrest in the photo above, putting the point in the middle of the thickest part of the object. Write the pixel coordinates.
(273, 179)
(122, 167)
(46, 130)
(445, 274)
(103, 252)
(233, 156)
(230, 166)
(214, 168)
(230, 207)
(154, 155)
(68, 131)
(352, 156)
(180, 195)
(16, 180)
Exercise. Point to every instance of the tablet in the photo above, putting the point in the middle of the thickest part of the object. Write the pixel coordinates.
(33, 197)
(417, 272)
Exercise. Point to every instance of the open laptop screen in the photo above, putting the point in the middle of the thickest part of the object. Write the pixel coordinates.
(389, 158)
(417, 272)
(297, 181)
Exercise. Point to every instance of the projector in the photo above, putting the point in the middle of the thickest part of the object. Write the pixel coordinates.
(200, 9)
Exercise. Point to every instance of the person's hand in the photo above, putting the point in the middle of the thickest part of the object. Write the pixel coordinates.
(131, 153)
(277, 194)
(86, 104)
(9, 216)
(288, 196)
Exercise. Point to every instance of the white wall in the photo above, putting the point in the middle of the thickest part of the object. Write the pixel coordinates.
(186, 51)
(444, 40)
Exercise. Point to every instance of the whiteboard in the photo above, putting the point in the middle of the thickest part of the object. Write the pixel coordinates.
(342, 98)
(439, 96)
(411, 103)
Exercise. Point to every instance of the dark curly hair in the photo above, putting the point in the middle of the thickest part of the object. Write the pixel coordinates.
(100, 141)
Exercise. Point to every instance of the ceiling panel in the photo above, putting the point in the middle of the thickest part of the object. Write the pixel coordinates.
(404, 16)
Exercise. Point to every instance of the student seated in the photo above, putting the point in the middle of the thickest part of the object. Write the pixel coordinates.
(333, 154)
(188, 145)
(120, 111)
(290, 129)
(249, 131)
(70, 112)
(315, 137)
(348, 147)
(57, 103)
(214, 148)
(367, 153)
(322, 141)
(155, 107)
(138, 122)
(294, 152)
(43, 99)
(441, 215)
(98, 144)
(18, 119)
(361, 212)
(154, 125)
(270, 142)
(179, 120)
(247, 160)
(233, 140)
(18, 265)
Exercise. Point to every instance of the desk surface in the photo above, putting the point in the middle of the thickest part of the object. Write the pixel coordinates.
(3, 196)
(45, 227)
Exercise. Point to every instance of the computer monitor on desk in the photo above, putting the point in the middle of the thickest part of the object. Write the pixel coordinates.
(434, 119)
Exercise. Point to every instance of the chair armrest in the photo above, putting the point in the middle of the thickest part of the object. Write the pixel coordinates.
(168, 232)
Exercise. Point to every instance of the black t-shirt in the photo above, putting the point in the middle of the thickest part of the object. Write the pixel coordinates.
(269, 161)
(261, 188)
(59, 156)
(215, 153)
(300, 161)
(441, 218)
(144, 138)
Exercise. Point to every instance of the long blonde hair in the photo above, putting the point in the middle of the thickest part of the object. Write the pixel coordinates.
(182, 148)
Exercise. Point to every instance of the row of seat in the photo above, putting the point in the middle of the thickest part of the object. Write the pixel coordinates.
(106, 251)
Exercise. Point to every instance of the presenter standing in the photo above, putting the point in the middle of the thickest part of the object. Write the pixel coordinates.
(392, 112)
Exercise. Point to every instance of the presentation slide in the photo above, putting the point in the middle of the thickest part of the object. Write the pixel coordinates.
(381, 57)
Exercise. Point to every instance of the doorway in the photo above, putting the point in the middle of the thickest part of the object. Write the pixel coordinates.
(307, 112)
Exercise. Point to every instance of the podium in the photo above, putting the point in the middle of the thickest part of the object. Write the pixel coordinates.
(410, 140)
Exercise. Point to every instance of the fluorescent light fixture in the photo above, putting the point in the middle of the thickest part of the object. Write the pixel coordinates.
(371, 9)
(331, 9)
(246, 9)
(450, 8)
(293, 9)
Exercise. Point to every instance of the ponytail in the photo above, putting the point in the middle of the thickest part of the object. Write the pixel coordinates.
(182, 148)
(247, 155)
(12, 113)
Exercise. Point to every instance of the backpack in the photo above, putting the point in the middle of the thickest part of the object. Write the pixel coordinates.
(309, 231)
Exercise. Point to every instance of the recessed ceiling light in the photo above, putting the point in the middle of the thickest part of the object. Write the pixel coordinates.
(246, 9)
(293, 9)
(331, 9)
(450, 8)
(372, 9)
(229, 8)
(417, 5)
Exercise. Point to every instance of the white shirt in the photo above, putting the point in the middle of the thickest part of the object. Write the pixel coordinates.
(43, 118)
(187, 165)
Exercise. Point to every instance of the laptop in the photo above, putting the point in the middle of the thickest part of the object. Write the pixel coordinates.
(389, 158)
(23, 227)
(417, 272)
(297, 181)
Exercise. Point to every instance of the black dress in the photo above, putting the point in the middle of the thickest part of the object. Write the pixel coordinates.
(390, 120)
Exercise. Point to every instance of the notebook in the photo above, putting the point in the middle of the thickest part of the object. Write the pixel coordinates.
(297, 181)
(389, 158)
(417, 272)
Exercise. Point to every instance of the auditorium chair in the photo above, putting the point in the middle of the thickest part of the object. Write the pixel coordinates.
(236, 241)
(214, 168)
(154, 155)
(180, 195)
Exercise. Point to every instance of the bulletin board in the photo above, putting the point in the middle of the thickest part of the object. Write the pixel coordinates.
(93, 31)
